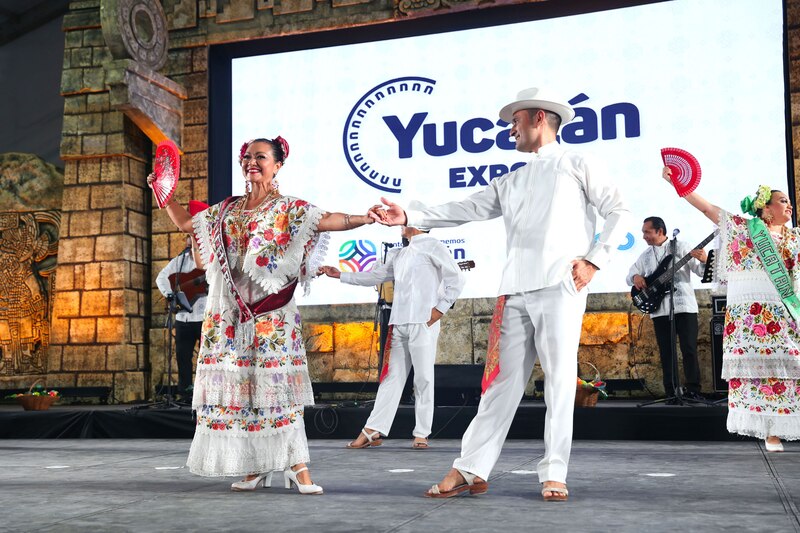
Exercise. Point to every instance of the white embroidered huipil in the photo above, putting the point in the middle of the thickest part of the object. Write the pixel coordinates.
(425, 276)
(549, 207)
(761, 340)
(252, 380)
(684, 300)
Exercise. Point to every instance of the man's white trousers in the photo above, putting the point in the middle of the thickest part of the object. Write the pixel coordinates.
(412, 344)
(545, 323)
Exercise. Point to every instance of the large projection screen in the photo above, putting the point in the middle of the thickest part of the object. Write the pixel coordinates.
(415, 117)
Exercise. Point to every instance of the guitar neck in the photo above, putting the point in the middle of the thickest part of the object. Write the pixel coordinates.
(666, 276)
(466, 265)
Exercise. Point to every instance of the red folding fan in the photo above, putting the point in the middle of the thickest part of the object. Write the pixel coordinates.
(685, 169)
(196, 206)
(167, 168)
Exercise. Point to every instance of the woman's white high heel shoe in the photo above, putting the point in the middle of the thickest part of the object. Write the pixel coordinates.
(265, 480)
(777, 447)
(290, 477)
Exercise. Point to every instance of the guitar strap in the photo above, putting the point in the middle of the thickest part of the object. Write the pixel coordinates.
(774, 265)
(179, 272)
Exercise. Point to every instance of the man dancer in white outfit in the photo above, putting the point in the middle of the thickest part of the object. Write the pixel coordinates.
(427, 281)
(548, 207)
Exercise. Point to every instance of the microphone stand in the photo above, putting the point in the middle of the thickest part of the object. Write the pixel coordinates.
(176, 301)
(382, 311)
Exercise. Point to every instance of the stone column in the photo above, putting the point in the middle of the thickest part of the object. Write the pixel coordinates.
(102, 290)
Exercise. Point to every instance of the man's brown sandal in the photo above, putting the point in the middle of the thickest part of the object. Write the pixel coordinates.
(372, 440)
(557, 494)
(474, 487)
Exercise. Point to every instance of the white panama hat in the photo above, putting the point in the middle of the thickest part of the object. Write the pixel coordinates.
(535, 98)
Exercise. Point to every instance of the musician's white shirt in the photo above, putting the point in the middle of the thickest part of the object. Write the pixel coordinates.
(425, 276)
(184, 262)
(685, 302)
(549, 208)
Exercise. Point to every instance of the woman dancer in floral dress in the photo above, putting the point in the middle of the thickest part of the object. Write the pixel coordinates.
(252, 381)
(761, 342)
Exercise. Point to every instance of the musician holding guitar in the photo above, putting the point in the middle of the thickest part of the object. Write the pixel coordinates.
(650, 278)
(182, 275)
(427, 282)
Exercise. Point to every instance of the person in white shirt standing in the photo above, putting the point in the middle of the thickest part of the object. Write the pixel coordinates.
(427, 282)
(188, 325)
(654, 233)
(549, 207)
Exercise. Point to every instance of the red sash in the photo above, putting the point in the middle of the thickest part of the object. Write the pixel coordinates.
(218, 244)
(274, 301)
(492, 367)
(387, 352)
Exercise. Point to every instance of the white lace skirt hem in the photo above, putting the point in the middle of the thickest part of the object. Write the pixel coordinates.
(760, 425)
(222, 455)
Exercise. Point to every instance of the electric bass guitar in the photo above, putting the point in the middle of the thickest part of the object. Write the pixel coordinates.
(193, 284)
(658, 283)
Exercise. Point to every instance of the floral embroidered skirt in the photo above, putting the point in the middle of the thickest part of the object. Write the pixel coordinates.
(763, 407)
(249, 402)
(227, 444)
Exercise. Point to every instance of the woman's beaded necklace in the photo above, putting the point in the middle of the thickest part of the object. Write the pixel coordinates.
(242, 219)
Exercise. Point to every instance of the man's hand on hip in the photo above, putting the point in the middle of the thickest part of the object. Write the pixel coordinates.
(582, 273)
(435, 316)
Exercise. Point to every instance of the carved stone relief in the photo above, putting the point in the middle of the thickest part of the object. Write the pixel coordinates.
(28, 248)
(135, 29)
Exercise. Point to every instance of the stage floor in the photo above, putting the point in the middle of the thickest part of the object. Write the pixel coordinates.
(622, 420)
(141, 485)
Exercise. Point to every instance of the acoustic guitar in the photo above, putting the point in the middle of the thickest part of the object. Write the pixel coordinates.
(386, 289)
(658, 283)
(193, 284)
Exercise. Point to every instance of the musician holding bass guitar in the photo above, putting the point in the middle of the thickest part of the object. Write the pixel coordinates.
(646, 268)
(182, 275)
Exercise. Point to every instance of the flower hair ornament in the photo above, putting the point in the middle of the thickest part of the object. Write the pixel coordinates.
(279, 140)
(284, 146)
(751, 205)
(243, 149)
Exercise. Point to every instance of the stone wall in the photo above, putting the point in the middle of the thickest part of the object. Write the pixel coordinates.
(618, 341)
(99, 335)
(108, 316)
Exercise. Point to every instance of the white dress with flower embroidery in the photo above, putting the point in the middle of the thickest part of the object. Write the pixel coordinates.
(252, 378)
(761, 341)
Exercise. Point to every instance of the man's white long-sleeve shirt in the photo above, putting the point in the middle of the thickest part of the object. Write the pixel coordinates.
(184, 262)
(549, 208)
(646, 264)
(425, 276)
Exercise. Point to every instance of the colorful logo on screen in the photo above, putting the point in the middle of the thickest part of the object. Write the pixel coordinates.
(357, 256)
(376, 133)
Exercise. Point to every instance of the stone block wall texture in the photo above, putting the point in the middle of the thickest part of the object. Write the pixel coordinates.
(108, 319)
